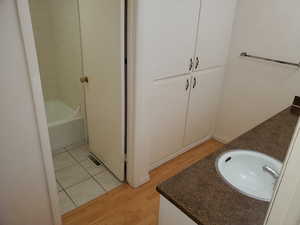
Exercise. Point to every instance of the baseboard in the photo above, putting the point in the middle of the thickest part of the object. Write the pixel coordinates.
(141, 181)
(221, 139)
(174, 155)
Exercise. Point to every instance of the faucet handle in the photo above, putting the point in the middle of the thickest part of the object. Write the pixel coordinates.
(271, 171)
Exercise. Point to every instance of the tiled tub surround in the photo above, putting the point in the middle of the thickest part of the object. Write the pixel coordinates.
(202, 195)
(79, 180)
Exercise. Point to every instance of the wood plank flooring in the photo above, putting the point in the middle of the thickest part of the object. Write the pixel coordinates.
(128, 206)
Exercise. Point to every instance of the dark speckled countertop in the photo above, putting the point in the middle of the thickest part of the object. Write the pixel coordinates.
(202, 195)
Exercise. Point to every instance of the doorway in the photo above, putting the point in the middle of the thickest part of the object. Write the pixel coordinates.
(81, 53)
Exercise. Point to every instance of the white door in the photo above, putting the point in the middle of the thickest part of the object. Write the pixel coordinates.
(168, 31)
(204, 98)
(102, 27)
(214, 34)
(167, 118)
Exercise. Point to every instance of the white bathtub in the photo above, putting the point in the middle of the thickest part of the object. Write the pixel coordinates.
(66, 127)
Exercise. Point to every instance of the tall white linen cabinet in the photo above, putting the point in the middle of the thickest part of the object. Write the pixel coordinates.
(181, 50)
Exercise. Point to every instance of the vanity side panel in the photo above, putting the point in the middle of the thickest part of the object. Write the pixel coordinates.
(170, 214)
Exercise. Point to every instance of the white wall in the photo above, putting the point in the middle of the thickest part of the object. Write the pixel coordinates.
(254, 91)
(43, 30)
(66, 31)
(23, 190)
(57, 36)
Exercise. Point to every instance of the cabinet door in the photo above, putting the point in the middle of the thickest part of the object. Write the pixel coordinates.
(214, 34)
(167, 120)
(204, 98)
(169, 214)
(166, 36)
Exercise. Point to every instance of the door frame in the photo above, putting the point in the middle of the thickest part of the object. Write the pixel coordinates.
(39, 104)
(26, 31)
(137, 162)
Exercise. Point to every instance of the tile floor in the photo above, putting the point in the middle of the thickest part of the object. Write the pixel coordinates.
(79, 180)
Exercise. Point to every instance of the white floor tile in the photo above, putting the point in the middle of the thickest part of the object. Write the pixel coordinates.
(63, 160)
(71, 175)
(107, 180)
(92, 168)
(58, 151)
(81, 153)
(59, 188)
(65, 202)
(83, 192)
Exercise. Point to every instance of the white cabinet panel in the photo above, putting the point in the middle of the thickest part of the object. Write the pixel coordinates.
(204, 99)
(215, 28)
(169, 214)
(166, 36)
(167, 118)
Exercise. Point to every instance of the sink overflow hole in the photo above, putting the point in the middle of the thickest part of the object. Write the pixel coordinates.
(228, 159)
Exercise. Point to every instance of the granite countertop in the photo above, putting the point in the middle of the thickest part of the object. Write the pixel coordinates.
(201, 194)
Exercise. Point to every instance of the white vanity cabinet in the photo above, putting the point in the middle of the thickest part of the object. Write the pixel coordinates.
(169, 214)
(183, 112)
(181, 50)
(203, 104)
(214, 33)
(181, 36)
(169, 103)
(167, 31)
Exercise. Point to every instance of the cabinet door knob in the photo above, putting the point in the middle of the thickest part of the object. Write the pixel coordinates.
(191, 64)
(195, 82)
(187, 84)
(84, 79)
(197, 63)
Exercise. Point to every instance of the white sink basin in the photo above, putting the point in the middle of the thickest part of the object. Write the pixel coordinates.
(249, 172)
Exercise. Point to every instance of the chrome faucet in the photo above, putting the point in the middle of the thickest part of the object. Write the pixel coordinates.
(271, 171)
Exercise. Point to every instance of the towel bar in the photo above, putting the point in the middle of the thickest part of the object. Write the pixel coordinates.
(245, 54)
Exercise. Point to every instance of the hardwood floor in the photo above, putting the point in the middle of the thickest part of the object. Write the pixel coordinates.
(128, 206)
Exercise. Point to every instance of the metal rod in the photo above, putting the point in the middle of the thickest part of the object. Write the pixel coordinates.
(245, 54)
